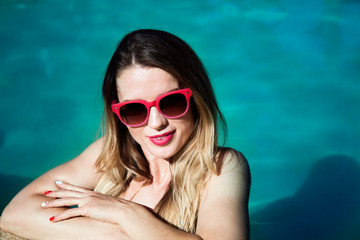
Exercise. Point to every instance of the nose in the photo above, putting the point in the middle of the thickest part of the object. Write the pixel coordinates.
(156, 120)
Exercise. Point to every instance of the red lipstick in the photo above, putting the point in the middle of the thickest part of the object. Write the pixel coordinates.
(162, 139)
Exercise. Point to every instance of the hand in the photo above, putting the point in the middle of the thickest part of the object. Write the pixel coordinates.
(90, 204)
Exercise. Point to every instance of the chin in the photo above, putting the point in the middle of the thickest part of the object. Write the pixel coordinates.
(165, 152)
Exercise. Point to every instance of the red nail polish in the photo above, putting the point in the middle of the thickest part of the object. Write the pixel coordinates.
(52, 218)
(47, 192)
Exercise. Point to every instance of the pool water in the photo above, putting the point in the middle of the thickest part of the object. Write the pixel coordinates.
(286, 75)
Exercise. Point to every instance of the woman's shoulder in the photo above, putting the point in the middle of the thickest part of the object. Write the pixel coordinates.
(231, 180)
(97, 145)
(93, 150)
(229, 161)
(84, 164)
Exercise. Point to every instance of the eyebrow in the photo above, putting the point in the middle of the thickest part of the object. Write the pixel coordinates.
(174, 89)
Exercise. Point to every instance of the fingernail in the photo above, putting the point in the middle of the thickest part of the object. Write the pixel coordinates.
(47, 192)
(52, 218)
(58, 182)
(44, 204)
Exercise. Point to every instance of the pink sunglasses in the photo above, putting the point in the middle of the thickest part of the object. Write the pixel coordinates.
(135, 113)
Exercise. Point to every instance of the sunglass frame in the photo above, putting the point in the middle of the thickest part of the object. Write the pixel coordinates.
(115, 107)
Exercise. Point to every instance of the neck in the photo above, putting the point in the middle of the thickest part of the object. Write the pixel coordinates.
(160, 170)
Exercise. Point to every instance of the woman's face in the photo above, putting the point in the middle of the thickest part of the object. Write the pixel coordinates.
(147, 83)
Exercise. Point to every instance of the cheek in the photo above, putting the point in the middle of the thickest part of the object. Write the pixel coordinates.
(189, 129)
(135, 134)
(190, 119)
(187, 126)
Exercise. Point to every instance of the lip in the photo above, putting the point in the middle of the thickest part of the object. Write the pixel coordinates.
(164, 138)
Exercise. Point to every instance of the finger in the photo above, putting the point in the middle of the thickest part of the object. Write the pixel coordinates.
(68, 186)
(62, 202)
(65, 194)
(70, 213)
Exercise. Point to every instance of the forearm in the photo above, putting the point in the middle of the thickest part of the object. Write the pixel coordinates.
(32, 222)
(160, 230)
(106, 217)
(27, 219)
(142, 224)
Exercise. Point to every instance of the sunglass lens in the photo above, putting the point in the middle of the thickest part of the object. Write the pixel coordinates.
(133, 113)
(173, 105)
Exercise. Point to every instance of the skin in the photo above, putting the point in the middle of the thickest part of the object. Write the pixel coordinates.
(133, 84)
(223, 209)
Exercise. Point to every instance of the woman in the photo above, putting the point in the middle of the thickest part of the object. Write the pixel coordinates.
(157, 173)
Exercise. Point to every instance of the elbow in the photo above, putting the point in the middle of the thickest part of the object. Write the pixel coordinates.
(6, 220)
(10, 219)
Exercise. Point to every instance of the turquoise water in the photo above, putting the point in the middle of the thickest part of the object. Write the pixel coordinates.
(286, 75)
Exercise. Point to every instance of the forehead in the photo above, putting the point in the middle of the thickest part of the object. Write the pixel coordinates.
(139, 82)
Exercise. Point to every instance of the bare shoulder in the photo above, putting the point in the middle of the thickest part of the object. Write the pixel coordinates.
(233, 176)
(79, 171)
(92, 152)
(231, 161)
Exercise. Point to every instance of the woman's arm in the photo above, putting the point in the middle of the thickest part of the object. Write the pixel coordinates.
(24, 216)
(134, 220)
(223, 212)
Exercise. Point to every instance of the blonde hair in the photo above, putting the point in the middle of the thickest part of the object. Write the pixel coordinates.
(121, 159)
